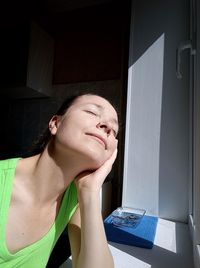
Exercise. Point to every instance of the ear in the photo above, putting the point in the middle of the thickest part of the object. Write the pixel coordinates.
(54, 124)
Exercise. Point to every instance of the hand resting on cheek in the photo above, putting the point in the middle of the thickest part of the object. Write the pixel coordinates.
(91, 181)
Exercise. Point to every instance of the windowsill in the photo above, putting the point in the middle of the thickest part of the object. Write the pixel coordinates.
(173, 248)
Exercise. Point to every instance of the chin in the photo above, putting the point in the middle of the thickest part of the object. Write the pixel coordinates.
(95, 160)
(95, 163)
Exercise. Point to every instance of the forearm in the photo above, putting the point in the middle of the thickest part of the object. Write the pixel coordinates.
(89, 244)
(94, 251)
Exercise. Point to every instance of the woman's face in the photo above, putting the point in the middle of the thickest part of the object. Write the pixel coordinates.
(87, 130)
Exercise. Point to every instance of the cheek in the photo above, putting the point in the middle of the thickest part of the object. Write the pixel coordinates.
(69, 129)
(113, 145)
(67, 135)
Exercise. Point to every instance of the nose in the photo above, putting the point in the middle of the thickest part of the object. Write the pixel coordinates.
(105, 127)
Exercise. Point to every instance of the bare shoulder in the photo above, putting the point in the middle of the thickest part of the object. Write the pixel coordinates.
(26, 165)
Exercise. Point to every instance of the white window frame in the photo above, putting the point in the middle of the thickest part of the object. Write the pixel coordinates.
(194, 217)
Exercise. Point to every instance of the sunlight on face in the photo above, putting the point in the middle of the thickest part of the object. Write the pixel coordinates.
(89, 129)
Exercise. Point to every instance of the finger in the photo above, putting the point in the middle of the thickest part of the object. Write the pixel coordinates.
(102, 172)
(107, 166)
(111, 160)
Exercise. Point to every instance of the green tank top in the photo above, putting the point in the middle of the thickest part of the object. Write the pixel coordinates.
(37, 254)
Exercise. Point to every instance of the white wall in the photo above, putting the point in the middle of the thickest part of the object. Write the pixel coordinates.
(157, 130)
(143, 127)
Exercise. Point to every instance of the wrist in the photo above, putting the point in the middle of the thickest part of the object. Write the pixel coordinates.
(89, 198)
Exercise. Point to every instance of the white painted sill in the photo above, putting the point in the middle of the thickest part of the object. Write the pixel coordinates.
(173, 248)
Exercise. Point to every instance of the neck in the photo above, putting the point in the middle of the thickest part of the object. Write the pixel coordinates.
(48, 175)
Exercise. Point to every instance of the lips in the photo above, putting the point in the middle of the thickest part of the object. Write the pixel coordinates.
(98, 138)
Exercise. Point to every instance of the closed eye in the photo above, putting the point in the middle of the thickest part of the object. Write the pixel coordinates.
(91, 112)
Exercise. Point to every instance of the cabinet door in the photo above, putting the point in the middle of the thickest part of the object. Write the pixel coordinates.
(26, 53)
(157, 127)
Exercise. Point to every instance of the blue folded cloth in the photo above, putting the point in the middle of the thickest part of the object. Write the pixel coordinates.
(141, 236)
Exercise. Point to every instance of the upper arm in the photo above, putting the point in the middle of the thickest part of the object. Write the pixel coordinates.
(74, 231)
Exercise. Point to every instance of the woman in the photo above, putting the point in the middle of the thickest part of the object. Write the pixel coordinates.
(39, 193)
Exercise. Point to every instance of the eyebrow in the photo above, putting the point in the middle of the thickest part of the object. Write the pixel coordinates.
(101, 108)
